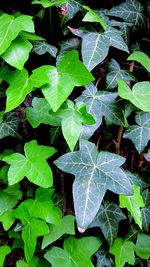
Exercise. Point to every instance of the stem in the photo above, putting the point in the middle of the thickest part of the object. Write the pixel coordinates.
(118, 141)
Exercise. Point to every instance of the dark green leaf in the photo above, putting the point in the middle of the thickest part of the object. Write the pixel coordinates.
(9, 125)
(103, 259)
(41, 48)
(142, 247)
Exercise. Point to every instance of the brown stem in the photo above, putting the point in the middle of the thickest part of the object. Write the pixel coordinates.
(118, 141)
(148, 262)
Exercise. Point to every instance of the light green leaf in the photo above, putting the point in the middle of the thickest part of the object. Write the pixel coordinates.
(41, 48)
(66, 226)
(95, 173)
(141, 58)
(130, 11)
(18, 52)
(76, 252)
(33, 263)
(139, 134)
(142, 247)
(7, 219)
(139, 96)
(108, 218)
(133, 204)
(49, 3)
(20, 86)
(4, 251)
(40, 112)
(114, 73)
(30, 232)
(7, 201)
(93, 16)
(9, 125)
(33, 165)
(123, 252)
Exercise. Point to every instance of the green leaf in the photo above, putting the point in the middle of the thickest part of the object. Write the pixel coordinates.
(142, 247)
(139, 96)
(103, 258)
(123, 252)
(139, 134)
(18, 52)
(95, 173)
(66, 226)
(69, 73)
(142, 58)
(114, 73)
(93, 16)
(133, 205)
(108, 218)
(30, 232)
(130, 11)
(41, 48)
(40, 112)
(4, 251)
(7, 219)
(9, 125)
(71, 8)
(99, 104)
(33, 263)
(7, 201)
(76, 252)
(33, 165)
(47, 3)
(146, 210)
(95, 46)
(18, 89)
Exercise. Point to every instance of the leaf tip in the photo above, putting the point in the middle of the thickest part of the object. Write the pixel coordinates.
(81, 229)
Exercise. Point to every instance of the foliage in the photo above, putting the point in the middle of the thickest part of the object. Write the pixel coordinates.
(74, 133)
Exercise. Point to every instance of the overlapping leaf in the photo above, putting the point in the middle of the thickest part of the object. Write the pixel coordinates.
(33, 165)
(99, 104)
(108, 218)
(142, 247)
(41, 48)
(95, 173)
(71, 8)
(94, 16)
(47, 3)
(8, 125)
(146, 210)
(4, 251)
(141, 58)
(103, 259)
(139, 134)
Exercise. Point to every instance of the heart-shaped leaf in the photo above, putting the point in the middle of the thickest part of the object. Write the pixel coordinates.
(141, 58)
(4, 251)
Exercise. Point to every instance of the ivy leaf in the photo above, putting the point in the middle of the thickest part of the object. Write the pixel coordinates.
(4, 251)
(30, 232)
(18, 52)
(33, 263)
(7, 201)
(65, 46)
(142, 247)
(142, 58)
(66, 226)
(123, 252)
(40, 112)
(108, 218)
(47, 3)
(146, 210)
(93, 16)
(41, 48)
(139, 134)
(133, 204)
(7, 219)
(9, 125)
(130, 11)
(76, 252)
(114, 73)
(16, 96)
(33, 165)
(99, 104)
(139, 96)
(95, 46)
(95, 173)
(103, 259)
(71, 8)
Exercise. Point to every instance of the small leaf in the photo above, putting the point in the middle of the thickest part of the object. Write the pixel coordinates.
(71, 7)
(141, 58)
(56, 231)
(146, 210)
(95, 173)
(7, 201)
(4, 251)
(9, 125)
(76, 252)
(33, 165)
(139, 134)
(33, 263)
(133, 204)
(139, 96)
(142, 247)
(41, 48)
(123, 252)
(103, 259)
(93, 16)
(49, 3)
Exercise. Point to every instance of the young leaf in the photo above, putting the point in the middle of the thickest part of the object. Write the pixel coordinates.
(139, 134)
(9, 125)
(142, 247)
(133, 204)
(103, 258)
(123, 252)
(108, 218)
(33, 263)
(66, 226)
(99, 104)
(7, 219)
(95, 173)
(33, 165)
(130, 11)
(139, 96)
(17, 53)
(93, 16)
(4, 251)
(114, 73)
(7, 202)
(141, 58)
(47, 3)
(16, 96)
(41, 48)
(76, 252)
